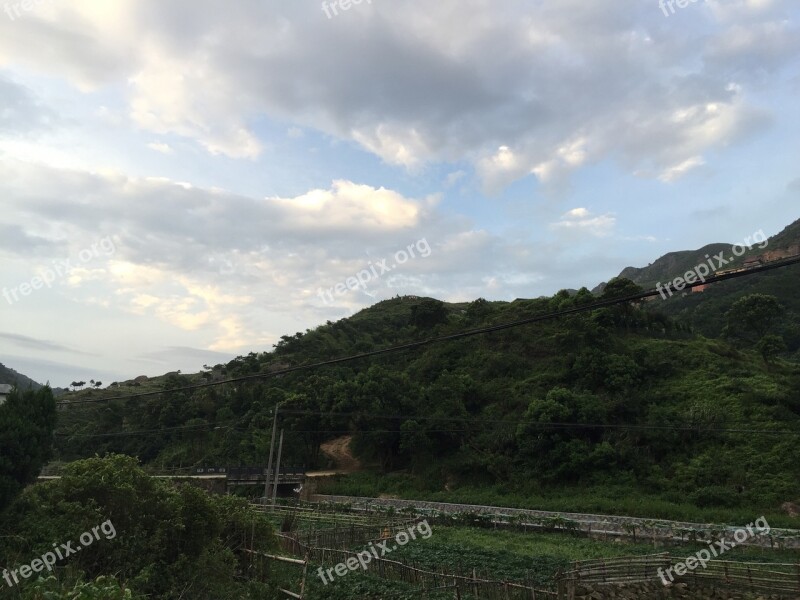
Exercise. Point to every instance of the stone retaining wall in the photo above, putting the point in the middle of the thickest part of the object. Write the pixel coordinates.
(628, 527)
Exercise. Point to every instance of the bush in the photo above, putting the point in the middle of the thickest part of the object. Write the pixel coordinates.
(716, 496)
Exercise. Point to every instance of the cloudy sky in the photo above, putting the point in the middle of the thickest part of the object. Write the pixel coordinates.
(183, 181)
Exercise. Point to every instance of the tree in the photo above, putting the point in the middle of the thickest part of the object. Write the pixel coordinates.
(156, 537)
(620, 287)
(478, 310)
(27, 421)
(770, 346)
(752, 317)
(428, 313)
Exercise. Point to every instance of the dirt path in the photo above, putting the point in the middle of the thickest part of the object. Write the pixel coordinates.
(339, 451)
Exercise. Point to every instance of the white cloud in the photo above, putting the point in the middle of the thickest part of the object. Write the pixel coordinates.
(527, 89)
(582, 220)
(677, 171)
(160, 147)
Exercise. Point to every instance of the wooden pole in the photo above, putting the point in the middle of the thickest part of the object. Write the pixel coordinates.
(277, 471)
(303, 582)
(269, 462)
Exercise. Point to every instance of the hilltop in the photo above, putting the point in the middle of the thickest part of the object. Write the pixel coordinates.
(12, 377)
(704, 311)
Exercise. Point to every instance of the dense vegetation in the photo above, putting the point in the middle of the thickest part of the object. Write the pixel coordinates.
(620, 396)
(27, 420)
(159, 541)
(705, 312)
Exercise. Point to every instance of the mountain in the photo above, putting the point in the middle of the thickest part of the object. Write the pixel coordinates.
(670, 265)
(675, 264)
(705, 312)
(9, 375)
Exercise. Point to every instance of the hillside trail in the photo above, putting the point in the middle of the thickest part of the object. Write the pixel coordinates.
(339, 452)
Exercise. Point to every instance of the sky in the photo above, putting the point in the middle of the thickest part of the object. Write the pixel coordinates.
(185, 181)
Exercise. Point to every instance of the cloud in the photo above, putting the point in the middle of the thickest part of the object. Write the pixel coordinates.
(15, 240)
(173, 354)
(677, 171)
(295, 133)
(538, 89)
(173, 240)
(160, 147)
(581, 220)
(454, 177)
(24, 341)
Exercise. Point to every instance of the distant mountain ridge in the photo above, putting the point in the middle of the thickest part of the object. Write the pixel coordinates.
(23, 382)
(675, 264)
(10, 376)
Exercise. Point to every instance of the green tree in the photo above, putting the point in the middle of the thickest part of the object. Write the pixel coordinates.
(770, 346)
(620, 287)
(752, 317)
(27, 420)
(167, 542)
(428, 313)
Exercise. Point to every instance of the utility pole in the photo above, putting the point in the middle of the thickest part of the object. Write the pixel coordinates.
(271, 449)
(277, 471)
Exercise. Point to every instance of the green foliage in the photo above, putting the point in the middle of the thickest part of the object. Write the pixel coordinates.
(163, 536)
(752, 317)
(428, 313)
(620, 287)
(102, 588)
(622, 395)
(27, 420)
(770, 346)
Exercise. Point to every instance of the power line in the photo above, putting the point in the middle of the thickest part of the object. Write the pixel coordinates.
(533, 424)
(468, 418)
(450, 337)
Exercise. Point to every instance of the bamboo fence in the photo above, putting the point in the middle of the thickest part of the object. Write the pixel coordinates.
(773, 578)
(424, 579)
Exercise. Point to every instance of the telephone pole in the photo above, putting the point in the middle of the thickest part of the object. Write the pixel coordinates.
(271, 449)
(277, 471)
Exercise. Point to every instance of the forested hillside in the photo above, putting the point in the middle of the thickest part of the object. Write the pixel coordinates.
(619, 396)
(705, 312)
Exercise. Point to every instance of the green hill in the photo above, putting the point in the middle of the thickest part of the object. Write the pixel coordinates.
(10, 376)
(705, 312)
(620, 402)
(635, 408)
